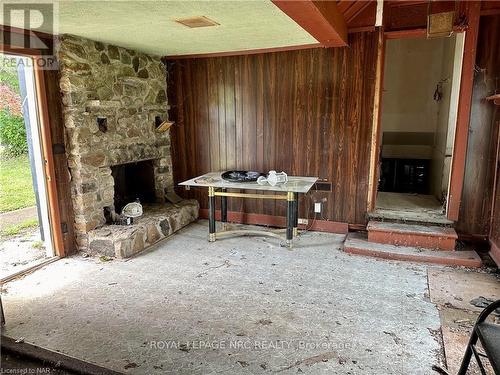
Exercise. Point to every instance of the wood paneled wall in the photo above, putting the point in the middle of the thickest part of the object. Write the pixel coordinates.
(495, 217)
(306, 112)
(477, 195)
(489, 58)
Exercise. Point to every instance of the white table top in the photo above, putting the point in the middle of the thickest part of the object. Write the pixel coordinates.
(295, 184)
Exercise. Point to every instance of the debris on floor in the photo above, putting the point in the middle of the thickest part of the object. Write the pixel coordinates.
(232, 320)
(483, 302)
(455, 291)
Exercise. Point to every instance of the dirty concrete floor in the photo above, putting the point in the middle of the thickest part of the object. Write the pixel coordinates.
(413, 207)
(452, 290)
(16, 364)
(236, 306)
(20, 252)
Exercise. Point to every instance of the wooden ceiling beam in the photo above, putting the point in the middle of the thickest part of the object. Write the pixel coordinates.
(322, 19)
(356, 10)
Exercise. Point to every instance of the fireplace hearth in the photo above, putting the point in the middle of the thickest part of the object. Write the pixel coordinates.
(159, 221)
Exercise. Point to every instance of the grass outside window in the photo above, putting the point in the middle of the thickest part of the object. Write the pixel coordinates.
(16, 186)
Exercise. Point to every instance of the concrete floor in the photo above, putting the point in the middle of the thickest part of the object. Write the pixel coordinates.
(20, 252)
(236, 306)
(412, 207)
(17, 364)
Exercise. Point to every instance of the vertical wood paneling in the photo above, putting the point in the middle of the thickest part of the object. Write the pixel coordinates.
(306, 112)
(238, 103)
(495, 217)
(477, 195)
(230, 120)
(213, 114)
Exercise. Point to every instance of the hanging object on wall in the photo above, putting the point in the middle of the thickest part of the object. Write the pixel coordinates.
(439, 24)
(162, 126)
(438, 93)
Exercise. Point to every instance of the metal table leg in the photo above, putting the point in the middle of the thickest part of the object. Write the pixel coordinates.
(211, 214)
(223, 209)
(296, 214)
(290, 222)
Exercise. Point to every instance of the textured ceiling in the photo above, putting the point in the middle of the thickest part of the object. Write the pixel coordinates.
(149, 26)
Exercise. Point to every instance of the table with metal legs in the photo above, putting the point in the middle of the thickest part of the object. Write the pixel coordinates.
(217, 187)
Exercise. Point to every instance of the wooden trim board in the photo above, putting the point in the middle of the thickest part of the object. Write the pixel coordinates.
(55, 218)
(377, 125)
(243, 52)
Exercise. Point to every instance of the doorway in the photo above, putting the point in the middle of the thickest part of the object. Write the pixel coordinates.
(25, 232)
(418, 119)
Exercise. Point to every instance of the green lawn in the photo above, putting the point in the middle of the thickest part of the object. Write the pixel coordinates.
(16, 188)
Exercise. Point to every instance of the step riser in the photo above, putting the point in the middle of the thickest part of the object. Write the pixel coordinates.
(412, 240)
(472, 263)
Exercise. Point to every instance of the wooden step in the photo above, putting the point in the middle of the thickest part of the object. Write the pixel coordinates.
(409, 217)
(413, 235)
(357, 243)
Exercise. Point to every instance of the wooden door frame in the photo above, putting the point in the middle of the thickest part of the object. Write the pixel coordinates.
(376, 137)
(46, 145)
(457, 172)
(473, 11)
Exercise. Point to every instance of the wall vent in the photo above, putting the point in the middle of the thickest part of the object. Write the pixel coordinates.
(199, 21)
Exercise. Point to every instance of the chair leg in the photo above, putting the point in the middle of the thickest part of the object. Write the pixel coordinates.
(468, 354)
(478, 360)
(473, 340)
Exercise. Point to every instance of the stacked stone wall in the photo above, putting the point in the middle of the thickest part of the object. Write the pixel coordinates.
(112, 100)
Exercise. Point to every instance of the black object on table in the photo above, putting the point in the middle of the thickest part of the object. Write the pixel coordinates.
(241, 176)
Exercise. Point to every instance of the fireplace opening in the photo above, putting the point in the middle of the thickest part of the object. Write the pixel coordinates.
(132, 181)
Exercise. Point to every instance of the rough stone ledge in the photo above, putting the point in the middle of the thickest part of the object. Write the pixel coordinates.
(159, 221)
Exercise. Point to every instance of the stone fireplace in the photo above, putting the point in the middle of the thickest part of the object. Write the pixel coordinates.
(133, 181)
(113, 100)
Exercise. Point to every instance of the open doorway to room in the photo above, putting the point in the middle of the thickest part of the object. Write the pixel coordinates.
(418, 120)
(25, 235)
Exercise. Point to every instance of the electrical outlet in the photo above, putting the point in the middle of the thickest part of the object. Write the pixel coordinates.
(317, 207)
(303, 221)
